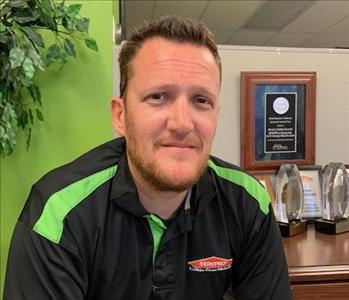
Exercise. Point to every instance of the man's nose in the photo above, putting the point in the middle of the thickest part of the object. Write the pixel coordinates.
(181, 115)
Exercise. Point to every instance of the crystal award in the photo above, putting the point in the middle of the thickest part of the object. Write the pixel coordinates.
(335, 200)
(289, 200)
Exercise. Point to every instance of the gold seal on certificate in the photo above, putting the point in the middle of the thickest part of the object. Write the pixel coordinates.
(289, 200)
(335, 201)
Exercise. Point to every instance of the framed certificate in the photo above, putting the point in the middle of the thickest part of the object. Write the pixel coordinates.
(277, 119)
(312, 183)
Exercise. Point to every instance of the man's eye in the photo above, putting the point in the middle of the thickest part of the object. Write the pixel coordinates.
(203, 102)
(157, 97)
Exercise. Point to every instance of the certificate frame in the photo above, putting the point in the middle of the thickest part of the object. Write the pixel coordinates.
(265, 145)
(311, 177)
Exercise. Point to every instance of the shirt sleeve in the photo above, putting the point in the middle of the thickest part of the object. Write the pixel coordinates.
(40, 269)
(261, 271)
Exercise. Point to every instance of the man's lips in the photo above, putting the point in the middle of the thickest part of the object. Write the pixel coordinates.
(176, 145)
(186, 144)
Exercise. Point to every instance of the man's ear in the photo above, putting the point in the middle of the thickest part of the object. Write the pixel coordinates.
(118, 115)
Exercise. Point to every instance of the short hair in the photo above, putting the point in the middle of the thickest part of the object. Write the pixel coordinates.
(172, 28)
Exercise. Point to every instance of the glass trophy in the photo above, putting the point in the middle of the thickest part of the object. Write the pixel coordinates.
(335, 200)
(289, 201)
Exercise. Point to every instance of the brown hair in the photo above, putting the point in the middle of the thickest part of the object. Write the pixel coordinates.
(173, 28)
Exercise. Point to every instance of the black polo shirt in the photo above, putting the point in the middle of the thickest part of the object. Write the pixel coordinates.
(83, 234)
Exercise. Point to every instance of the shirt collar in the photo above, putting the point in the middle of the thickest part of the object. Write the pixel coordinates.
(124, 191)
(203, 192)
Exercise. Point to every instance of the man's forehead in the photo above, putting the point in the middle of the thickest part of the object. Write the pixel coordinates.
(163, 45)
(159, 49)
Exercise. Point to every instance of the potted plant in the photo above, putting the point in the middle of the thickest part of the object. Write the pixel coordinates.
(23, 52)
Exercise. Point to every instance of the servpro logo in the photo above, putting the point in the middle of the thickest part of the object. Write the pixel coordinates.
(210, 264)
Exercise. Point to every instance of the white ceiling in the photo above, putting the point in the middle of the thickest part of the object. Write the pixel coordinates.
(277, 23)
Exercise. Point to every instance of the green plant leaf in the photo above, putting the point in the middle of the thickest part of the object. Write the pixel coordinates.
(69, 23)
(34, 37)
(18, 3)
(69, 47)
(6, 114)
(59, 10)
(4, 38)
(35, 93)
(2, 132)
(29, 137)
(2, 27)
(14, 122)
(3, 90)
(26, 19)
(73, 10)
(83, 24)
(46, 6)
(12, 136)
(47, 15)
(63, 58)
(91, 43)
(25, 81)
(8, 136)
(23, 119)
(1, 97)
(5, 10)
(5, 145)
(16, 57)
(53, 53)
(31, 116)
(28, 68)
(36, 59)
(9, 116)
(39, 115)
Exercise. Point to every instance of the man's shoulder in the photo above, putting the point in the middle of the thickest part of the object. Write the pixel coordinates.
(90, 163)
(235, 179)
(231, 172)
(58, 192)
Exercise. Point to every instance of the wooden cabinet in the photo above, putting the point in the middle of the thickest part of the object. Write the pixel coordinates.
(318, 265)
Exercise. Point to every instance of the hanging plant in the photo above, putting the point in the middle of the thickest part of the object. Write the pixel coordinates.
(23, 52)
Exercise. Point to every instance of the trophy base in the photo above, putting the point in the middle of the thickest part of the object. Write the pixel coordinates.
(291, 229)
(332, 227)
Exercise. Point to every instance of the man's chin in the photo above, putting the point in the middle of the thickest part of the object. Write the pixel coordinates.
(178, 181)
(172, 185)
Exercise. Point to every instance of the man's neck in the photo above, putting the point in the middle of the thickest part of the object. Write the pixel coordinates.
(163, 204)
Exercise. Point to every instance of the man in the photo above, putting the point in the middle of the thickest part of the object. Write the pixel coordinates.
(152, 215)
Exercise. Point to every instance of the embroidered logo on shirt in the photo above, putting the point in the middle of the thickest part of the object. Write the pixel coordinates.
(210, 264)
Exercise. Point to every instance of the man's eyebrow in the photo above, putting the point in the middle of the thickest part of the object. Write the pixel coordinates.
(204, 90)
(176, 87)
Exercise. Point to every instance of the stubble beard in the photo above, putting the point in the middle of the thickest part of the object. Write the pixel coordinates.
(151, 173)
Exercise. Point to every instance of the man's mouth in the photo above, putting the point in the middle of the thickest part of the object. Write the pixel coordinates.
(187, 144)
(179, 145)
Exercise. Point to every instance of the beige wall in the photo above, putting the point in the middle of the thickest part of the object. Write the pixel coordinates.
(332, 101)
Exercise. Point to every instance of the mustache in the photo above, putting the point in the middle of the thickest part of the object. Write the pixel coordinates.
(191, 142)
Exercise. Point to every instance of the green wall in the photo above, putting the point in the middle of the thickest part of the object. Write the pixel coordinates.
(77, 118)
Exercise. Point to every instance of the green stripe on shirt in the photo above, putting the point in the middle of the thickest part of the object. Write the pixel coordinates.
(257, 191)
(51, 222)
(157, 227)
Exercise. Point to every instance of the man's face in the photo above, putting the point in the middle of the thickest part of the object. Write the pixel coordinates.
(169, 114)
